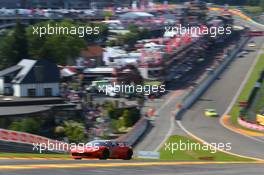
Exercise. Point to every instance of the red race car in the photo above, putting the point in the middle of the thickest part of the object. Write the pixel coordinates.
(103, 149)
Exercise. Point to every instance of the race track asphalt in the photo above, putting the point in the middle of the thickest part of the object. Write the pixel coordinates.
(85, 167)
(218, 97)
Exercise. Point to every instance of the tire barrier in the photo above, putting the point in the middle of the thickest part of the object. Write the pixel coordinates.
(248, 125)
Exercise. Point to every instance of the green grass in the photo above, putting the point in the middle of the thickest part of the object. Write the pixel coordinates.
(29, 155)
(247, 89)
(260, 101)
(255, 10)
(195, 155)
(252, 10)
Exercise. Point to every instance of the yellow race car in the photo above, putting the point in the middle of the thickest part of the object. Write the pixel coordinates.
(260, 118)
(210, 113)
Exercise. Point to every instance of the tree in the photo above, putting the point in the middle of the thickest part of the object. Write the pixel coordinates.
(130, 117)
(59, 48)
(20, 44)
(107, 14)
(135, 33)
(29, 125)
(111, 111)
(135, 115)
(98, 38)
(14, 46)
(261, 4)
(6, 51)
(74, 131)
(127, 118)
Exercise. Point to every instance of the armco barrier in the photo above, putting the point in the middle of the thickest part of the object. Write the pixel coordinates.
(14, 141)
(196, 93)
(135, 133)
(141, 126)
(250, 125)
(26, 140)
(15, 147)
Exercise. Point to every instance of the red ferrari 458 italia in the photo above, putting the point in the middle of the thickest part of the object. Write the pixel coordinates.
(103, 149)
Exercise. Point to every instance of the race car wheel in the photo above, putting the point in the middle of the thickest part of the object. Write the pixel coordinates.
(78, 158)
(105, 154)
(129, 155)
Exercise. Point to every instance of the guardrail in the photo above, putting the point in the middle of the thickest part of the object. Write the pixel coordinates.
(141, 126)
(26, 140)
(135, 133)
(14, 147)
(198, 91)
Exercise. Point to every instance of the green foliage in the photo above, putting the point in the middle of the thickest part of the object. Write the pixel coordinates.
(29, 125)
(111, 111)
(261, 4)
(6, 51)
(260, 103)
(114, 124)
(101, 37)
(255, 10)
(130, 117)
(14, 46)
(23, 43)
(20, 42)
(57, 48)
(107, 13)
(64, 47)
(135, 115)
(127, 118)
(244, 95)
(132, 36)
(128, 39)
(74, 131)
(193, 154)
(122, 117)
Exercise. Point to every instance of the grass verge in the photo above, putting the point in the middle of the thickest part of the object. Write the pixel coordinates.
(255, 10)
(194, 154)
(247, 88)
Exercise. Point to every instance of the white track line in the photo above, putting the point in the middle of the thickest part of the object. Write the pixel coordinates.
(204, 142)
(242, 85)
(227, 110)
(171, 119)
(169, 133)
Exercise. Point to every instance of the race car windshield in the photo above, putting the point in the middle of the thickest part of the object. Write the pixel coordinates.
(98, 143)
